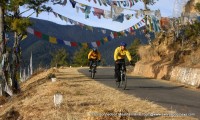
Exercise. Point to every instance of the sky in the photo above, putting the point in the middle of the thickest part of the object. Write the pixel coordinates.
(165, 6)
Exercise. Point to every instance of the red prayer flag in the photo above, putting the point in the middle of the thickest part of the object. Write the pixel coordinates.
(98, 43)
(115, 35)
(143, 21)
(73, 44)
(131, 29)
(38, 34)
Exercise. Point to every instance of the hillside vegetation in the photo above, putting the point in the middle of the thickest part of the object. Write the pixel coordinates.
(178, 45)
(169, 51)
(166, 50)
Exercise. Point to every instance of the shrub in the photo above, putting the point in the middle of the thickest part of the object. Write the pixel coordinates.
(51, 75)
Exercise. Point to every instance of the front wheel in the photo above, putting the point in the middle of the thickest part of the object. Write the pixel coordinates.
(118, 84)
(124, 81)
(93, 73)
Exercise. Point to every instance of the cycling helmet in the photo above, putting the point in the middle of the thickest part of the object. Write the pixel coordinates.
(94, 49)
(123, 44)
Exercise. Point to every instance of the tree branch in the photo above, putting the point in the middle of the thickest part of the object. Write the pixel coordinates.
(24, 11)
(30, 15)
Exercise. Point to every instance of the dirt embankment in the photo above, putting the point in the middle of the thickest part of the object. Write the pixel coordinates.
(171, 59)
(82, 98)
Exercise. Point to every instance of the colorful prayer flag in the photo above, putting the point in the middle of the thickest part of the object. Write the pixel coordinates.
(59, 41)
(105, 39)
(45, 37)
(98, 43)
(38, 34)
(52, 40)
(73, 44)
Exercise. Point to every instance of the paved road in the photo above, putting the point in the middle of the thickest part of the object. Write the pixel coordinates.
(167, 94)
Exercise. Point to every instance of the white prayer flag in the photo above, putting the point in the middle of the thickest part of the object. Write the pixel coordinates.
(31, 64)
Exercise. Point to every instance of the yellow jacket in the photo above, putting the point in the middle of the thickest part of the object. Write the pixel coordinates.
(94, 55)
(121, 54)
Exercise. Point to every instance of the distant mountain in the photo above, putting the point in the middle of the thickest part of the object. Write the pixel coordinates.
(41, 49)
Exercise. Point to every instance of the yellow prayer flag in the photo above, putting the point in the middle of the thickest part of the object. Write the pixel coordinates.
(105, 39)
(136, 26)
(122, 33)
(82, 5)
(52, 40)
(24, 37)
(84, 45)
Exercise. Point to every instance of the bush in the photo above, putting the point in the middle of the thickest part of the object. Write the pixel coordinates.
(81, 57)
(51, 75)
(133, 48)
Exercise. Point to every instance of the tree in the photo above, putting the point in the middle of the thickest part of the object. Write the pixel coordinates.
(60, 58)
(81, 57)
(133, 48)
(12, 21)
(197, 7)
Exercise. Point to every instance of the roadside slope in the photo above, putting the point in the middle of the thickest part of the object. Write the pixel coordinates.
(171, 59)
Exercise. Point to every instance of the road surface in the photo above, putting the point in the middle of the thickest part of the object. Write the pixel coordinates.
(167, 94)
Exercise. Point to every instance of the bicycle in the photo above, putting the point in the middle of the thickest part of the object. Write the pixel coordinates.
(123, 79)
(93, 69)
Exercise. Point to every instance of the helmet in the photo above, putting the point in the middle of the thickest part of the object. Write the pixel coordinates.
(123, 44)
(94, 49)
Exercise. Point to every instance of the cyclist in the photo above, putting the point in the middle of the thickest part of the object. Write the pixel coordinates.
(119, 57)
(94, 55)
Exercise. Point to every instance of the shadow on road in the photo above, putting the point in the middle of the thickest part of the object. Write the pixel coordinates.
(155, 87)
(179, 104)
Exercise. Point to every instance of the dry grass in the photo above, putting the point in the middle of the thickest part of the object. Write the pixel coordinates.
(193, 59)
(147, 53)
(83, 99)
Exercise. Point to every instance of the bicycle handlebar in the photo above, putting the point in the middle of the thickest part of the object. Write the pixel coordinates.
(94, 60)
(126, 63)
(120, 62)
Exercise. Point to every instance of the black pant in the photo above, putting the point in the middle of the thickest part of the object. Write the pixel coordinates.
(91, 62)
(118, 66)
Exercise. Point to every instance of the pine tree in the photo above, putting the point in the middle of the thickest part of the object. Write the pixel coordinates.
(60, 58)
(133, 48)
(81, 57)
